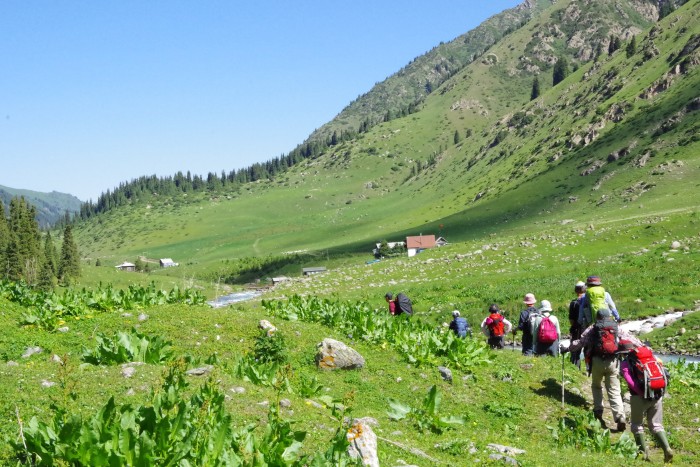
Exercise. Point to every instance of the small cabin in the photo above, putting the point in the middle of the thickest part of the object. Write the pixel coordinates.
(126, 266)
(313, 270)
(416, 244)
(168, 263)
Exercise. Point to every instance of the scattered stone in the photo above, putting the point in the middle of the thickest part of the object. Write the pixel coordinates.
(56, 359)
(63, 329)
(527, 366)
(143, 317)
(505, 449)
(681, 331)
(47, 384)
(363, 443)
(31, 351)
(445, 373)
(315, 404)
(333, 354)
(238, 390)
(128, 372)
(504, 459)
(12, 363)
(675, 245)
(131, 392)
(398, 380)
(265, 325)
(264, 403)
(285, 403)
(200, 371)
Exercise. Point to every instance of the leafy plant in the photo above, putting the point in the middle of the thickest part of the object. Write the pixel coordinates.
(270, 374)
(309, 386)
(503, 409)
(270, 348)
(425, 417)
(128, 347)
(582, 430)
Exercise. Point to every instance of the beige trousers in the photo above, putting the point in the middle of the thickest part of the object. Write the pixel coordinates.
(608, 370)
(652, 409)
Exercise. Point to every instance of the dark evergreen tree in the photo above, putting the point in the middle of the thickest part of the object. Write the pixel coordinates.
(50, 254)
(456, 137)
(535, 92)
(24, 247)
(666, 8)
(632, 47)
(4, 240)
(561, 71)
(69, 263)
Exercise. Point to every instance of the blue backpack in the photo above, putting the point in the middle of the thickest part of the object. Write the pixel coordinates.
(462, 327)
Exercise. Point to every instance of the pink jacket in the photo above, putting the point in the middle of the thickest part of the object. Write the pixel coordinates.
(634, 387)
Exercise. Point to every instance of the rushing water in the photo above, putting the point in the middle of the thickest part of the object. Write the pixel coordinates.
(226, 300)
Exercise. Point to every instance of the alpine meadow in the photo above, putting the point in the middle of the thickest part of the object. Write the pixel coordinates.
(555, 141)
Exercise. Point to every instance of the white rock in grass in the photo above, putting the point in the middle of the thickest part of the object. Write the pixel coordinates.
(128, 372)
(143, 317)
(47, 384)
(31, 351)
(675, 245)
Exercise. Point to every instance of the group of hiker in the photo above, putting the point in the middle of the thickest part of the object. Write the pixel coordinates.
(608, 351)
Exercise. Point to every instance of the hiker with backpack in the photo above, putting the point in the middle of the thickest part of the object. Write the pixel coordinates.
(595, 298)
(495, 326)
(575, 329)
(399, 305)
(647, 381)
(524, 323)
(459, 325)
(545, 330)
(601, 342)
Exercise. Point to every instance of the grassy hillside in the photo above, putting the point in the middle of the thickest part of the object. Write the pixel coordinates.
(616, 140)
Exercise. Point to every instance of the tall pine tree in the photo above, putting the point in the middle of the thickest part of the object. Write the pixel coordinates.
(561, 71)
(535, 93)
(69, 263)
(23, 251)
(4, 240)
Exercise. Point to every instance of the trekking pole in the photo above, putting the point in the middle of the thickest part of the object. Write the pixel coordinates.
(563, 360)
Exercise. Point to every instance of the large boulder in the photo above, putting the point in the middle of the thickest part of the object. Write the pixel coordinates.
(333, 354)
(363, 442)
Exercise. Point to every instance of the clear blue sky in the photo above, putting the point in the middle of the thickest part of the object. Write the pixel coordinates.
(94, 93)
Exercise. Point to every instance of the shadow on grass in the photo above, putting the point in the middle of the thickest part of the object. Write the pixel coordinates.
(552, 388)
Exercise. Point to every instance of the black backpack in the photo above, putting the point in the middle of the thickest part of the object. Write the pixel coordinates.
(403, 304)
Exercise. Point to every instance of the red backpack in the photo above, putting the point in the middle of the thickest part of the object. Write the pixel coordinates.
(606, 339)
(547, 332)
(496, 327)
(648, 372)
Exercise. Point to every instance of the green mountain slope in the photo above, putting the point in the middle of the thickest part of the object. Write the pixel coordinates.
(561, 34)
(617, 138)
(51, 207)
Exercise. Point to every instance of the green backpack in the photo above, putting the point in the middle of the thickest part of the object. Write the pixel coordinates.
(596, 299)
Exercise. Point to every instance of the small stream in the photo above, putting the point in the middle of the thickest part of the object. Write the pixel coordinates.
(644, 326)
(226, 300)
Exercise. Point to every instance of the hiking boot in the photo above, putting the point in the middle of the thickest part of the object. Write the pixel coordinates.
(598, 414)
(642, 445)
(621, 426)
(663, 441)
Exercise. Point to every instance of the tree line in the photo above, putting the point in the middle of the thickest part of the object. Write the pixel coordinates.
(28, 255)
(146, 187)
